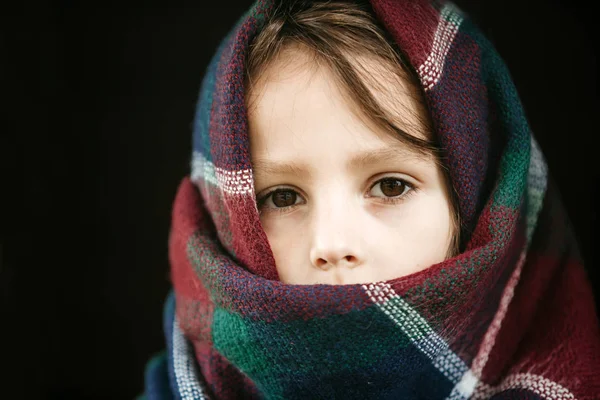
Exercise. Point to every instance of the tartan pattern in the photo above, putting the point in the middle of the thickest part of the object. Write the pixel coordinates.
(510, 317)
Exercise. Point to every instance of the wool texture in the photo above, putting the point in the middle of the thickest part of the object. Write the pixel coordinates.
(511, 317)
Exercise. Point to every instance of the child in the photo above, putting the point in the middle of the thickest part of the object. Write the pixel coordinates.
(368, 216)
(324, 165)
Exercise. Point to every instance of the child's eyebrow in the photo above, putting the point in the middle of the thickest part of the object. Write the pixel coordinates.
(384, 155)
(262, 166)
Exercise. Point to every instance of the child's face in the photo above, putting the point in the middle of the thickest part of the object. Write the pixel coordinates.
(351, 205)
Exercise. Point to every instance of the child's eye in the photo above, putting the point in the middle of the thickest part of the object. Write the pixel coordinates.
(280, 198)
(390, 188)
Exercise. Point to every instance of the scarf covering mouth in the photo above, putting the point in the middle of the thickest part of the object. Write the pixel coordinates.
(511, 317)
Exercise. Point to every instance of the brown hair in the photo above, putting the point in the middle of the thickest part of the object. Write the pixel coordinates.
(339, 34)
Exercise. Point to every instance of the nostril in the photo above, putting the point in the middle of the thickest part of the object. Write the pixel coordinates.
(323, 264)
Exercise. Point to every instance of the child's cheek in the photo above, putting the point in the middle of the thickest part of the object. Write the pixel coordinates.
(286, 233)
(419, 228)
(390, 216)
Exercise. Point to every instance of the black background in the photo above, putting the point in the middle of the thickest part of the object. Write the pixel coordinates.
(97, 105)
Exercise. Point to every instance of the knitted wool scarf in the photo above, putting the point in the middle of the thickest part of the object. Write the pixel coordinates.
(512, 316)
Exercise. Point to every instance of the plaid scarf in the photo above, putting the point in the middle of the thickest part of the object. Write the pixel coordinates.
(512, 316)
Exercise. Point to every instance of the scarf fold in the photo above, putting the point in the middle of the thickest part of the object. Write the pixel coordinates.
(512, 316)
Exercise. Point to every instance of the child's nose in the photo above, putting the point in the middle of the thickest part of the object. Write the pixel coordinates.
(336, 239)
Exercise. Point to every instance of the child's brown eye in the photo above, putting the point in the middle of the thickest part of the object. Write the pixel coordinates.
(389, 189)
(392, 187)
(284, 198)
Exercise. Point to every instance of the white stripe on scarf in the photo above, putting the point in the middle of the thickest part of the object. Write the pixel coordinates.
(231, 182)
(431, 70)
(186, 373)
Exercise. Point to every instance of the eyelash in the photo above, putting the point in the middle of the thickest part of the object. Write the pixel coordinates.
(387, 200)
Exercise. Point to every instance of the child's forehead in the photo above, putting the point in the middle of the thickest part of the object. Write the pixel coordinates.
(298, 122)
(296, 58)
(297, 68)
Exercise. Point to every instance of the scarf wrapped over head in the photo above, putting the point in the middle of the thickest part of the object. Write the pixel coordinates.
(511, 316)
